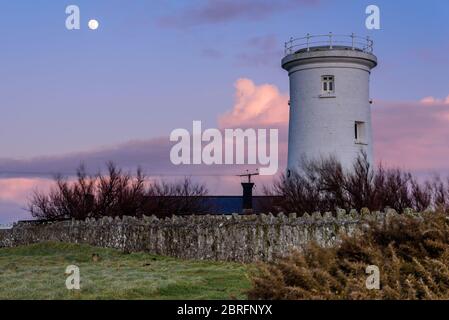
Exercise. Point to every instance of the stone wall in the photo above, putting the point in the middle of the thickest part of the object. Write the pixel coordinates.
(229, 238)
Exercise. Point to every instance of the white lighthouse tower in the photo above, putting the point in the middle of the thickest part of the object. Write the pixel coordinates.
(330, 112)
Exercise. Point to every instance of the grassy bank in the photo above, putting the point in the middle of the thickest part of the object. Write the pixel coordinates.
(404, 259)
(37, 272)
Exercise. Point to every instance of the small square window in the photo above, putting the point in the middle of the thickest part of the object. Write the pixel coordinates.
(327, 84)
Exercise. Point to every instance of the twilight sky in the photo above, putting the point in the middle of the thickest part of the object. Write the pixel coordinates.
(152, 66)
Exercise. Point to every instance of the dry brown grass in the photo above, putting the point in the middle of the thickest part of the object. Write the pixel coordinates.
(412, 255)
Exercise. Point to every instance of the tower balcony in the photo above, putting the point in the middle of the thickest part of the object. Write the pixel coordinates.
(329, 41)
(331, 48)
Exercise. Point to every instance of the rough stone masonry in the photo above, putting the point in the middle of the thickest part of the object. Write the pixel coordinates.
(215, 237)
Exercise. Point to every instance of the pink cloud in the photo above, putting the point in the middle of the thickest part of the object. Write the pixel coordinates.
(256, 106)
(413, 135)
(16, 190)
(434, 101)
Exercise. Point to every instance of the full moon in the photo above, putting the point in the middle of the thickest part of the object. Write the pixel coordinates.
(93, 24)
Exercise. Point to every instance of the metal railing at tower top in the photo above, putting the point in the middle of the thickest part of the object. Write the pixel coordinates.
(329, 41)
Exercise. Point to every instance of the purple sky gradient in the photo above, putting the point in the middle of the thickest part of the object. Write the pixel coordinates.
(116, 93)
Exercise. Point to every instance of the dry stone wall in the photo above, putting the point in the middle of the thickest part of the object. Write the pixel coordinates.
(216, 237)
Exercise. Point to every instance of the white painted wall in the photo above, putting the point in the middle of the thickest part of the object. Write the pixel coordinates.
(321, 126)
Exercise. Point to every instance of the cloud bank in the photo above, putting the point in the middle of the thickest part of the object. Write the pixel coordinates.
(222, 11)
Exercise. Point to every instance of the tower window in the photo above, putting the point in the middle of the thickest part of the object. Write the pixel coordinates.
(327, 84)
(359, 132)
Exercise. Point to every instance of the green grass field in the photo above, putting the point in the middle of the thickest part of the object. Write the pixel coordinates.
(37, 272)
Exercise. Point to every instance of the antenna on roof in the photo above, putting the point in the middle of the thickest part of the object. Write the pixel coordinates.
(249, 175)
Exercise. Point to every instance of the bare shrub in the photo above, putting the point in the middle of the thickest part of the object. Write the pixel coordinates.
(411, 254)
(116, 193)
(324, 186)
(184, 197)
(66, 199)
